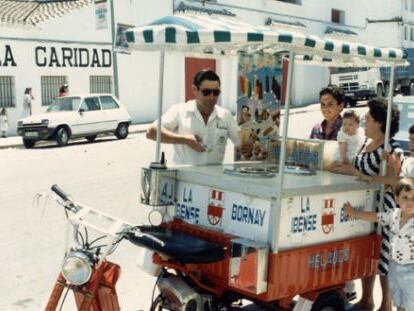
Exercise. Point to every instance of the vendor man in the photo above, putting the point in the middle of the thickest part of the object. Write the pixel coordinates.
(198, 128)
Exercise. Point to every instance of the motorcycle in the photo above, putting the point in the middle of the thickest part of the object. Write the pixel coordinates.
(95, 235)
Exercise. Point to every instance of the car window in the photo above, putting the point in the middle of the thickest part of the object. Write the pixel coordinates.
(108, 102)
(64, 104)
(90, 104)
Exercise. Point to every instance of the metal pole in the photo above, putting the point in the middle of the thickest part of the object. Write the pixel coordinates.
(114, 53)
(383, 171)
(160, 101)
(282, 159)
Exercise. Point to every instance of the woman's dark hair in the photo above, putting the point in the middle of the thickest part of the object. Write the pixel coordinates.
(27, 90)
(405, 184)
(351, 114)
(63, 87)
(378, 111)
(335, 92)
(206, 74)
(411, 129)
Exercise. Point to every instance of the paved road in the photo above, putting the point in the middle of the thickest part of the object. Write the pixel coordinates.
(104, 174)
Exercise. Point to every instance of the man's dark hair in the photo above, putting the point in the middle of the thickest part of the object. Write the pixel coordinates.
(411, 129)
(405, 184)
(245, 106)
(205, 74)
(351, 114)
(378, 111)
(335, 92)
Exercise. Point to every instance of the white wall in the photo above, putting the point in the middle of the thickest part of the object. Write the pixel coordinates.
(27, 73)
(138, 72)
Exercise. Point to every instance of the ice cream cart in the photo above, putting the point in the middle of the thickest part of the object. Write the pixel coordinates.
(283, 226)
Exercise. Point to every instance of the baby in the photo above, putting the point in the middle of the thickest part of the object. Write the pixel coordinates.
(350, 138)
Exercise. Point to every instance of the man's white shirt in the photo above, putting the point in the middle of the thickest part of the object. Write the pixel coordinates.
(186, 119)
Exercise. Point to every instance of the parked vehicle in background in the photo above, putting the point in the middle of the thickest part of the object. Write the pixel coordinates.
(358, 83)
(76, 116)
(365, 83)
(406, 107)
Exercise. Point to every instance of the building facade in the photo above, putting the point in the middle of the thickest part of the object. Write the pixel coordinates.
(46, 44)
(50, 44)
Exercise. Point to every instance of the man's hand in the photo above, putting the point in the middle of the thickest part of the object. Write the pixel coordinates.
(246, 149)
(194, 142)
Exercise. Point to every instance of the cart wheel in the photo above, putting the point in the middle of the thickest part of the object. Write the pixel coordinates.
(329, 301)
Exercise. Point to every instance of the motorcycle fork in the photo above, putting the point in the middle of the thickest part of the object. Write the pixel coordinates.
(90, 297)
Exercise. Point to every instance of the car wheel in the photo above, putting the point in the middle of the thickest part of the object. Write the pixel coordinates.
(122, 131)
(91, 138)
(329, 301)
(62, 136)
(29, 143)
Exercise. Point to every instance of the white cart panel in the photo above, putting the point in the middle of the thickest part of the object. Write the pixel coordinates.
(314, 219)
(242, 215)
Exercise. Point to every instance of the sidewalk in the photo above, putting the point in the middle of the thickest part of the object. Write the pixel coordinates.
(16, 141)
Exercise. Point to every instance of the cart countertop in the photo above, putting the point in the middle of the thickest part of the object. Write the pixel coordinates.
(295, 185)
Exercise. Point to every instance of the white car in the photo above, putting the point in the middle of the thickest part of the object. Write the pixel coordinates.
(76, 116)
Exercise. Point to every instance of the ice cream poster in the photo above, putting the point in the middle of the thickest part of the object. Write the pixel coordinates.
(258, 103)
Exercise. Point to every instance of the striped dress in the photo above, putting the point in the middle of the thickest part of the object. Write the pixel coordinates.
(369, 163)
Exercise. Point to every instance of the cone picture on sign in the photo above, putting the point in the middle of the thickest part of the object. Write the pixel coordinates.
(215, 207)
(328, 213)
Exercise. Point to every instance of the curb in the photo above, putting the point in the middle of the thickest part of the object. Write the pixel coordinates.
(20, 144)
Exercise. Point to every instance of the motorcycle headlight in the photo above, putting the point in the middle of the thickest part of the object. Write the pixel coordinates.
(77, 268)
(45, 122)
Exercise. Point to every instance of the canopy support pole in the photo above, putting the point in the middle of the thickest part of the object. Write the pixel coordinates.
(383, 171)
(160, 102)
(275, 211)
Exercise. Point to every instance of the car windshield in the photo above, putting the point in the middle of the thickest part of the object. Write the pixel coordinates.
(64, 104)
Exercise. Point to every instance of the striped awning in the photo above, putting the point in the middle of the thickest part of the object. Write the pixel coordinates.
(224, 35)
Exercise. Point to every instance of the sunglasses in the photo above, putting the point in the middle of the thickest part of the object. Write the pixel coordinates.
(207, 92)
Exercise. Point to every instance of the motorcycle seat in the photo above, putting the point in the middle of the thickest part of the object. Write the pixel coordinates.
(181, 247)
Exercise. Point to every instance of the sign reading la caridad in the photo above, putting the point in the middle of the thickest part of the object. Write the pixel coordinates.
(50, 56)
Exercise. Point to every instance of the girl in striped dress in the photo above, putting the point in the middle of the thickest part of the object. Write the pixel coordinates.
(368, 162)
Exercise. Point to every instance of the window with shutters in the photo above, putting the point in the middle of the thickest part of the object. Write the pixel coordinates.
(100, 84)
(50, 87)
(7, 92)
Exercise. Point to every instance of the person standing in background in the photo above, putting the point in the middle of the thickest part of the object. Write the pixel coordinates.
(64, 90)
(27, 100)
(4, 122)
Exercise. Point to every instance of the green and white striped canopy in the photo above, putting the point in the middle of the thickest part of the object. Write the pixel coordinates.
(223, 35)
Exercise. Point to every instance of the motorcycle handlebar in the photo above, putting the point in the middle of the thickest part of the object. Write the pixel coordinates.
(56, 189)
